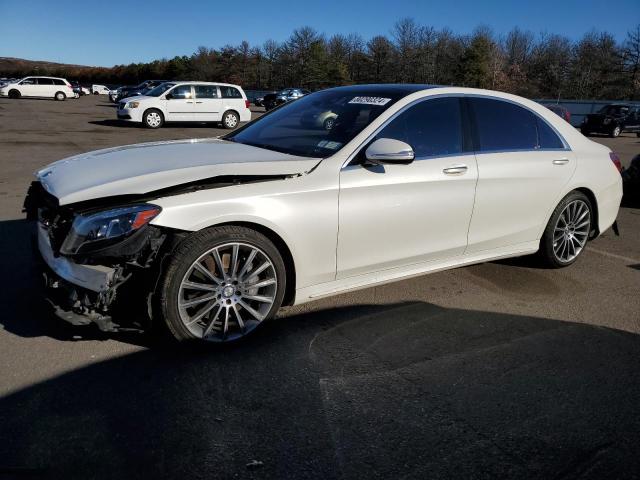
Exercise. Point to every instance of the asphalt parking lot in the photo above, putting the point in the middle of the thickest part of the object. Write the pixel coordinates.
(499, 370)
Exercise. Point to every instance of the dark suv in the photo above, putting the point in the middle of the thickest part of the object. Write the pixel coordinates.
(613, 120)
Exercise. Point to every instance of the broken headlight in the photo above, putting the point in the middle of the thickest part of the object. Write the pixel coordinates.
(102, 229)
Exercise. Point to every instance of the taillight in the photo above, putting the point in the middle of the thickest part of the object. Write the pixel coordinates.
(247, 103)
(616, 160)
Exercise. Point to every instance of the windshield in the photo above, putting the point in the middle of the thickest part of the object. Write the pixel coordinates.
(614, 109)
(159, 90)
(319, 124)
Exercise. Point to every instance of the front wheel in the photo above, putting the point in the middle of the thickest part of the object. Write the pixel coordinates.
(221, 284)
(14, 94)
(152, 119)
(60, 96)
(230, 120)
(568, 230)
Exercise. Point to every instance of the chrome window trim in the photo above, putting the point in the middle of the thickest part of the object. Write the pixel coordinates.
(566, 148)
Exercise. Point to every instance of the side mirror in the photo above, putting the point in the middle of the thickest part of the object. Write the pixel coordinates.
(168, 96)
(388, 150)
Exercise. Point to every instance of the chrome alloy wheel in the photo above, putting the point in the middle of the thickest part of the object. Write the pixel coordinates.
(153, 119)
(571, 231)
(227, 292)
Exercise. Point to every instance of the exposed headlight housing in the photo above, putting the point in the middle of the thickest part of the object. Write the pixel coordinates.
(102, 229)
(133, 104)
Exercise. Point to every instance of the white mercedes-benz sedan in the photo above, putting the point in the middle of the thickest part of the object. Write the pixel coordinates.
(211, 237)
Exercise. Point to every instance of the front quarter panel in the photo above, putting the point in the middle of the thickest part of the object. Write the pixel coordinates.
(302, 211)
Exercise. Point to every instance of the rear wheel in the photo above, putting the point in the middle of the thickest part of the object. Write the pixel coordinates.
(60, 96)
(616, 131)
(153, 118)
(14, 94)
(585, 132)
(230, 120)
(568, 230)
(221, 284)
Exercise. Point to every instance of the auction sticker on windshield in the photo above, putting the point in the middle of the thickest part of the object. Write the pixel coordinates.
(380, 101)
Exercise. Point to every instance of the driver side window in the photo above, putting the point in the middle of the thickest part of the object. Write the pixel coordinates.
(181, 92)
(433, 128)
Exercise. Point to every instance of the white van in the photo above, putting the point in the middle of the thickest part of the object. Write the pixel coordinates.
(42, 87)
(100, 90)
(187, 102)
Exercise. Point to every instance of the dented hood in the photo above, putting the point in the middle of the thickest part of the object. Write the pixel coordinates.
(146, 167)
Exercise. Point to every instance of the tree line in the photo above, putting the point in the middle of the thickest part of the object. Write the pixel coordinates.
(595, 66)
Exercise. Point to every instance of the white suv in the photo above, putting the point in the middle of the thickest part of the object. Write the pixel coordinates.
(43, 87)
(187, 102)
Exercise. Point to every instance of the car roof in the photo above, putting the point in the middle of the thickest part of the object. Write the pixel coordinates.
(198, 82)
(44, 76)
(398, 89)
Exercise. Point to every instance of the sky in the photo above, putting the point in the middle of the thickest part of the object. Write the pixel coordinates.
(110, 32)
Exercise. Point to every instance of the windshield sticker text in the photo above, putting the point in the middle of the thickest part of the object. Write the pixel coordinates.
(380, 101)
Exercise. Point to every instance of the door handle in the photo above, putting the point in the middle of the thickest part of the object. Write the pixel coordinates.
(198, 102)
(189, 102)
(455, 170)
(561, 161)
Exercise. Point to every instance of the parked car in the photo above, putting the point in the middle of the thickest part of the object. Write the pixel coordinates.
(41, 87)
(100, 90)
(214, 235)
(559, 110)
(283, 96)
(187, 102)
(114, 94)
(613, 120)
(259, 101)
(79, 89)
(140, 89)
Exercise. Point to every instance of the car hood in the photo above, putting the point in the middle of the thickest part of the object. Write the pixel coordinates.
(146, 167)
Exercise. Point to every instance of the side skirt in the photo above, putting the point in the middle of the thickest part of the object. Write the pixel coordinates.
(315, 292)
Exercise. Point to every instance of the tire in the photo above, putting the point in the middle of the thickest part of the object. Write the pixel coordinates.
(638, 134)
(14, 94)
(585, 132)
(153, 118)
(566, 234)
(60, 96)
(223, 316)
(96, 93)
(230, 120)
(616, 131)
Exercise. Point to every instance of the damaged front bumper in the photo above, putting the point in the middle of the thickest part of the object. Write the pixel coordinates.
(78, 294)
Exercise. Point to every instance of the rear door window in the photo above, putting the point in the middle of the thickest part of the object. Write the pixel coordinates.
(503, 126)
(206, 91)
(58, 81)
(547, 137)
(45, 81)
(230, 92)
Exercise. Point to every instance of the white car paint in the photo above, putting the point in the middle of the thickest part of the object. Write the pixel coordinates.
(191, 109)
(348, 228)
(39, 87)
(141, 168)
(100, 90)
